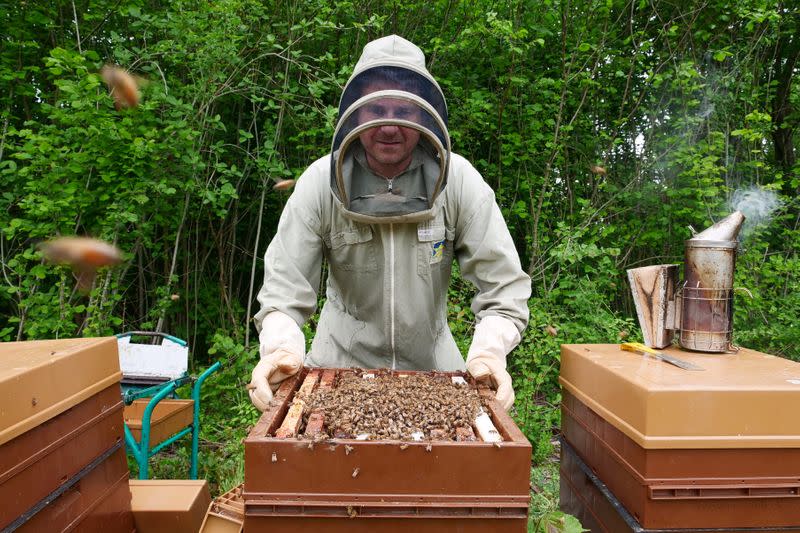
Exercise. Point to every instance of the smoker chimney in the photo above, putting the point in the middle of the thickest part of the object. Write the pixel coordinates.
(726, 229)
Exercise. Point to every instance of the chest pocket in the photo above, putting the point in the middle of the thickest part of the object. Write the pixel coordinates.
(434, 247)
(351, 249)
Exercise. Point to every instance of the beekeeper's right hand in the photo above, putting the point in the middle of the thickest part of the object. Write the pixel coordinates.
(269, 373)
(281, 346)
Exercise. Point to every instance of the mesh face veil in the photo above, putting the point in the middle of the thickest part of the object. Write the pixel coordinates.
(391, 149)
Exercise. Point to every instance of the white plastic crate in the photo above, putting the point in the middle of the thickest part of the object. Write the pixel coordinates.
(168, 360)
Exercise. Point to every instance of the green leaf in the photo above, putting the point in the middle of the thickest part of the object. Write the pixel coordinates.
(720, 55)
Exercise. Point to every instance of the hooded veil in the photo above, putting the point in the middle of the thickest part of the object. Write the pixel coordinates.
(390, 86)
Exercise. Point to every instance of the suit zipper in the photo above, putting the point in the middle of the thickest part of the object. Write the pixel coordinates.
(391, 293)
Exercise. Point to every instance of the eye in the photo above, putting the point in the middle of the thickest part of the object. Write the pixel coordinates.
(375, 111)
(403, 112)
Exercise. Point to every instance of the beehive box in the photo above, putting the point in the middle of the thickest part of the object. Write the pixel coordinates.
(295, 481)
(584, 496)
(719, 448)
(62, 409)
(97, 499)
(174, 505)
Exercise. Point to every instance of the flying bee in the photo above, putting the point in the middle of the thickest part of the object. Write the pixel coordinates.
(597, 169)
(283, 185)
(84, 254)
(122, 86)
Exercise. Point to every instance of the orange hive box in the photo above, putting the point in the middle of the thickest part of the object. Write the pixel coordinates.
(174, 505)
(584, 496)
(718, 448)
(61, 435)
(338, 484)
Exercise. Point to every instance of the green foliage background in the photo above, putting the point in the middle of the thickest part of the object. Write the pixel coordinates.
(605, 127)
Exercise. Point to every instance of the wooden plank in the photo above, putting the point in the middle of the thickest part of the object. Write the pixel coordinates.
(465, 434)
(308, 385)
(294, 417)
(270, 419)
(316, 420)
(439, 434)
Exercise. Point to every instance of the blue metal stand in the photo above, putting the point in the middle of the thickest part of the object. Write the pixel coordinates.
(141, 450)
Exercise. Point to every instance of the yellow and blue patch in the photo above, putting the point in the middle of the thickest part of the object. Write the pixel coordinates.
(437, 252)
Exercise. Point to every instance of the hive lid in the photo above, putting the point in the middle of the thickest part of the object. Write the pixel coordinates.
(41, 379)
(743, 400)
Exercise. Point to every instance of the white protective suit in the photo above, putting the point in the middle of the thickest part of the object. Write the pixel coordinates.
(390, 243)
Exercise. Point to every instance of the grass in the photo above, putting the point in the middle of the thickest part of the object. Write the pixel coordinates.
(544, 494)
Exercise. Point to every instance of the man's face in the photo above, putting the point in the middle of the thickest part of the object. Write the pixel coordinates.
(389, 148)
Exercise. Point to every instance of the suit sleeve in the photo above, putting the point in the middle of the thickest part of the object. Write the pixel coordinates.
(293, 260)
(488, 258)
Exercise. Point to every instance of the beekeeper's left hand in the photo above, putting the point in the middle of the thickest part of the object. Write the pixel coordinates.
(494, 338)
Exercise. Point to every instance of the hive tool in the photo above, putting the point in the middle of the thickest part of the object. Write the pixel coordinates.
(646, 350)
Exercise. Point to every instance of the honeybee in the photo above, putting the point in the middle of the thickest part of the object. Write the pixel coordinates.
(597, 169)
(283, 185)
(84, 254)
(122, 86)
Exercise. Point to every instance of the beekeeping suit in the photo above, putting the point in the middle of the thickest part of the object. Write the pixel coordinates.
(389, 209)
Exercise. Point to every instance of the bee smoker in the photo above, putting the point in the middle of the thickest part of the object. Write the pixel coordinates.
(700, 309)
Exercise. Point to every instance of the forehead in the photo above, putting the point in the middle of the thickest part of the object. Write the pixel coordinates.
(390, 107)
(381, 85)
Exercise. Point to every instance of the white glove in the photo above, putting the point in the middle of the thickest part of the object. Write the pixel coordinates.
(486, 368)
(494, 338)
(269, 373)
(282, 349)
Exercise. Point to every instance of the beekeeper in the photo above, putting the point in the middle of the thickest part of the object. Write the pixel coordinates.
(389, 209)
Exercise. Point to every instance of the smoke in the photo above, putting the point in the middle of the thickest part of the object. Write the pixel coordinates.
(756, 204)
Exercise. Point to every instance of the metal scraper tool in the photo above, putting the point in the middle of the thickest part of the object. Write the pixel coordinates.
(646, 350)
